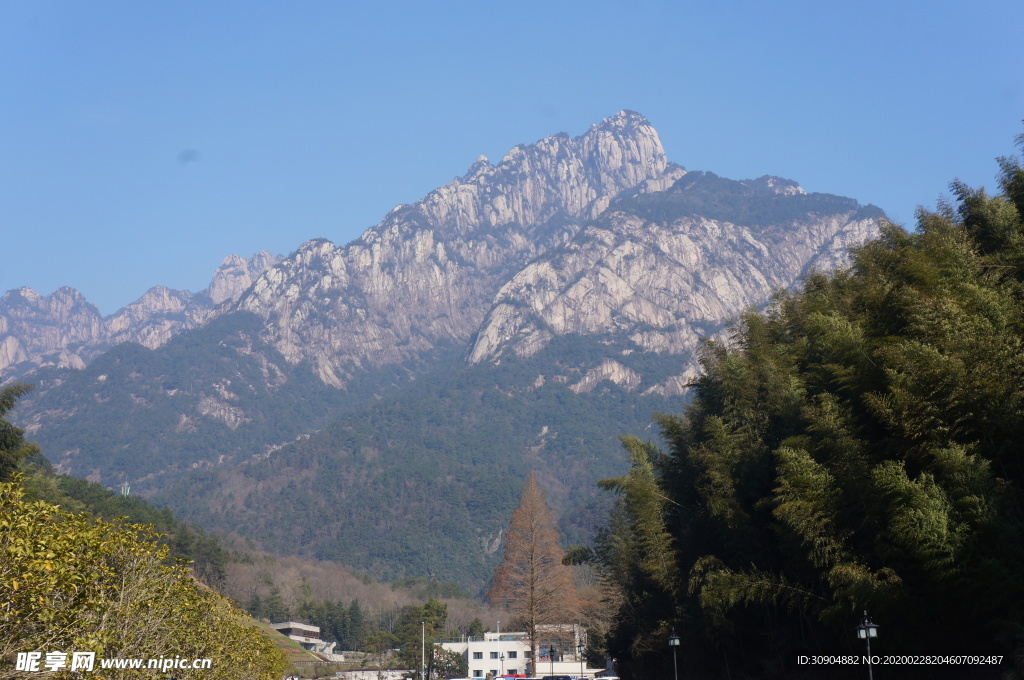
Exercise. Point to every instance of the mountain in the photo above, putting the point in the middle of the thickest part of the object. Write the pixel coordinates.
(661, 270)
(64, 330)
(380, 402)
(427, 274)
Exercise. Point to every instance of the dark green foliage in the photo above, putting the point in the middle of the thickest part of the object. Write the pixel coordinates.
(350, 627)
(449, 664)
(750, 203)
(855, 447)
(422, 481)
(123, 414)
(207, 557)
(271, 607)
(13, 447)
(419, 626)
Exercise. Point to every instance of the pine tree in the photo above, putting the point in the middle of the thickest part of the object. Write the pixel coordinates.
(356, 625)
(420, 627)
(531, 581)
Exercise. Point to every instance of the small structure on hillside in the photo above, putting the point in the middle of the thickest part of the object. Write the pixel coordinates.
(309, 638)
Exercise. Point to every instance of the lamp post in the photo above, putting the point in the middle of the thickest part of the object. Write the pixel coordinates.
(865, 631)
(423, 648)
(551, 653)
(673, 642)
(579, 651)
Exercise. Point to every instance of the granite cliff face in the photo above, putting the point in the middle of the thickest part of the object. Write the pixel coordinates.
(63, 329)
(657, 277)
(426, 275)
(236, 273)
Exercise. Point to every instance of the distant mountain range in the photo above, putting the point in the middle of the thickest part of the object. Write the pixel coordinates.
(381, 402)
(65, 331)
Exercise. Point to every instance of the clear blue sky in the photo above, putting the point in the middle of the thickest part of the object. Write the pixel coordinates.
(141, 142)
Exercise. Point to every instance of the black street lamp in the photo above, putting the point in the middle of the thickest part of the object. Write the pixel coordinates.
(551, 653)
(579, 650)
(865, 631)
(673, 642)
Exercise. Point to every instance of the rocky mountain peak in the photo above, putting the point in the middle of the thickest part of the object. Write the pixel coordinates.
(558, 174)
(622, 119)
(457, 264)
(428, 272)
(65, 329)
(236, 273)
(658, 271)
(480, 166)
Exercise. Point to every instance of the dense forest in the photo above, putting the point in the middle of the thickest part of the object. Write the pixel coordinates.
(444, 457)
(856, 447)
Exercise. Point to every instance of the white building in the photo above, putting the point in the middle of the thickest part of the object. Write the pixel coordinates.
(498, 654)
(494, 654)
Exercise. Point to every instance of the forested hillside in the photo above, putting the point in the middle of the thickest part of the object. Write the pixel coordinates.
(352, 609)
(206, 553)
(856, 447)
(423, 481)
(73, 584)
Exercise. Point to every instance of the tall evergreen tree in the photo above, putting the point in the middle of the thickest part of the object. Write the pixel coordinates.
(356, 624)
(417, 630)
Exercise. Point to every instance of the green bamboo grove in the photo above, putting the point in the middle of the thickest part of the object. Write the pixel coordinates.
(857, 446)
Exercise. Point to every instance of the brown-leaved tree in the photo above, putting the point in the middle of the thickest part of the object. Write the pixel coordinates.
(531, 581)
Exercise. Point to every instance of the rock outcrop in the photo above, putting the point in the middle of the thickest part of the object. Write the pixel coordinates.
(659, 285)
(235, 274)
(63, 329)
(427, 273)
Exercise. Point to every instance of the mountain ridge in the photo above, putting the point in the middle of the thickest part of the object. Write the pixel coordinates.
(65, 330)
(427, 272)
(520, 317)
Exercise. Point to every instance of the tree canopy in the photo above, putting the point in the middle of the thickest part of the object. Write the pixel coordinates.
(531, 581)
(70, 583)
(855, 447)
(13, 447)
